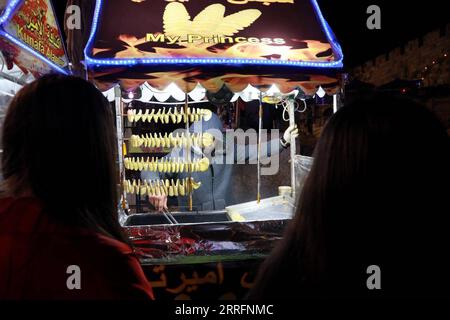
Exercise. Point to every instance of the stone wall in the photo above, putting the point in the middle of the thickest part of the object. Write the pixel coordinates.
(414, 60)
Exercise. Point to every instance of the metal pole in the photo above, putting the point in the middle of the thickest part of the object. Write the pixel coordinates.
(12, 78)
(260, 115)
(291, 110)
(188, 153)
(118, 104)
(119, 126)
(335, 103)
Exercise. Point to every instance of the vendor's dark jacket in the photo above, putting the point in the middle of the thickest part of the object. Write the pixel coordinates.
(216, 192)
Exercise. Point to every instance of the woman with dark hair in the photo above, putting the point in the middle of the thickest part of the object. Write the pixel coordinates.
(59, 231)
(373, 217)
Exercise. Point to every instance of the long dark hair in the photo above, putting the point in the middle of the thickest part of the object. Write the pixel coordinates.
(376, 195)
(60, 147)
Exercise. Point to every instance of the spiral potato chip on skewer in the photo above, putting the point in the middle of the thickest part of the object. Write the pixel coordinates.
(170, 116)
(167, 165)
(195, 139)
(172, 188)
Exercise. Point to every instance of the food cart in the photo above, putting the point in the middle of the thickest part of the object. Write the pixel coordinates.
(176, 57)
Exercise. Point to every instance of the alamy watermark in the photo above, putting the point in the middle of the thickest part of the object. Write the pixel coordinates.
(73, 281)
(73, 17)
(374, 20)
(237, 147)
(374, 280)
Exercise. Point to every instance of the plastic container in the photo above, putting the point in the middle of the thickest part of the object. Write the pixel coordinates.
(303, 166)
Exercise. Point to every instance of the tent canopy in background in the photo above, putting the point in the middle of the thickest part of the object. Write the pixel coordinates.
(213, 43)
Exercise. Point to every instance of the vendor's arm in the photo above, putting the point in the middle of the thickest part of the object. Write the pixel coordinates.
(244, 153)
(158, 202)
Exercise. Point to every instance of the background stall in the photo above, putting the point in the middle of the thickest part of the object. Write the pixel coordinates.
(186, 53)
(30, 38)
(31, 45)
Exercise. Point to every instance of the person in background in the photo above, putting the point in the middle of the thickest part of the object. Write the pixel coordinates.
(59, 231)
(216, 183)
(373, 217)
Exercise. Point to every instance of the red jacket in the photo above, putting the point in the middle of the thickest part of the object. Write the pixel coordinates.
(35, 255)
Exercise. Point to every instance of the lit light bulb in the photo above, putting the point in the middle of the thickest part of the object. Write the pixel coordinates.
(130, 95)
(321, 93)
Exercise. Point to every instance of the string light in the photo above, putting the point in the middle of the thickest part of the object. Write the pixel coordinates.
(9, 11)
(428, 69)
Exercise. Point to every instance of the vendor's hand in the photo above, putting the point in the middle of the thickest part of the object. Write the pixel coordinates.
(159, 202)
(291, 132)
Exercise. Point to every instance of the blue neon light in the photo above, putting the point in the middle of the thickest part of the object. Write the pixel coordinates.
(213, 61)
(329, 33)
(10, 8)
(8, 12)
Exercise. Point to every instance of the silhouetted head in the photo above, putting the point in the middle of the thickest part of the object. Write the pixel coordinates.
(60, 146)
(375, 195)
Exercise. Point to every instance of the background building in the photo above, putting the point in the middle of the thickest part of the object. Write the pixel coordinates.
(426, 58)
(419, 69)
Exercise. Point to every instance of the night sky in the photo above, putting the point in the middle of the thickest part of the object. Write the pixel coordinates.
(401, 21)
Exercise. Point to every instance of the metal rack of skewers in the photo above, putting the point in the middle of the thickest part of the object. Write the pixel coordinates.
(142, 148)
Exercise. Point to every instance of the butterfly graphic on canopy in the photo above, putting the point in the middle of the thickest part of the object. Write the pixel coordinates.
(208, 26)
(209, 22)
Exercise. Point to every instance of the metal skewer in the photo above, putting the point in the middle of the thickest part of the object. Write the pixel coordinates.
(291, 111)
(169, 216)
(260, 115)
(188, 153)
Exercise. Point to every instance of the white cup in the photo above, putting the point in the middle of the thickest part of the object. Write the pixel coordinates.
(285, 191)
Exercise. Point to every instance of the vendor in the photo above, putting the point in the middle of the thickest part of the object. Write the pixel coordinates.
(215, 192)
